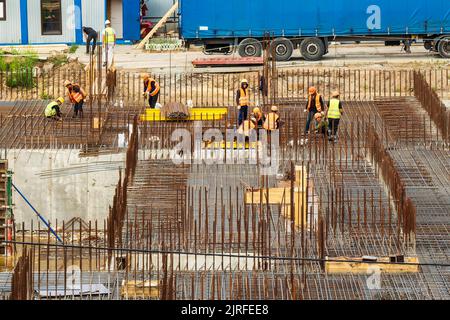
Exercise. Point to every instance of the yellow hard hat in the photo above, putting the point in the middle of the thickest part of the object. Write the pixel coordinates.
(67, 83)
(60, 99)
(145, 76)
(244, 81)
(256, 110)
(274, 109)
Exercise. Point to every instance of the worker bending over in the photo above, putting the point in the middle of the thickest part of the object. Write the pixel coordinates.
(334, 113)
(109, 43)
(53, 110)
(321, 124)
(76, 96)
(151, 90)
(315, 105)
(243, 101)
(91, 35)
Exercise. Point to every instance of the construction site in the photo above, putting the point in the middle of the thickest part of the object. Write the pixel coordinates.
(169, 196)
(106, 207)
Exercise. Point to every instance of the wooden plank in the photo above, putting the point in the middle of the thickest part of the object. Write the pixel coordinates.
(158, 25)
(336, 267)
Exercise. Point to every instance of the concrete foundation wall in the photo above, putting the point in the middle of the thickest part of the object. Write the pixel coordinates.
(61, 185)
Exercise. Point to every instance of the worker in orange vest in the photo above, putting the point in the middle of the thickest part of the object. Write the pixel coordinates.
(151, 90)
(314, 105)
(243, 101)
(76, 96)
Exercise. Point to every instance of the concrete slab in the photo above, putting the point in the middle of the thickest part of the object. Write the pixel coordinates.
(61, 185)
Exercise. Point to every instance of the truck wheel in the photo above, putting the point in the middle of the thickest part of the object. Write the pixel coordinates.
(282, 48)
(250, 47)
(444, 47)
(312, 49)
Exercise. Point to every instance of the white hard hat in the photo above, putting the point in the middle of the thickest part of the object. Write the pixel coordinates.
(107, 22)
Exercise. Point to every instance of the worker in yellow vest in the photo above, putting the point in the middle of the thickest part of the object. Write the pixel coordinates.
(53, 110)
(243, 101)
(334, 114)
(109, 43)
(151, 90)
(314, 105)
(76, 96)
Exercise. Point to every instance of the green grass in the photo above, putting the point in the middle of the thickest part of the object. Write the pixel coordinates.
(58, 60)
(46, 96)
(73, 48)
(20, 67)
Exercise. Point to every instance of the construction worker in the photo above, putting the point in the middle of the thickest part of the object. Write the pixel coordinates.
(76, 96)
(259, 118)
(334, 113)
(53, 110)
(91, 35)
(321, 123)
(151, 90)
(272, 121)
(109, 43)
(315, 104)
(242, 101)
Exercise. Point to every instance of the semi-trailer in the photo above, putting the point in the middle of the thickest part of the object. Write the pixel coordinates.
(241, 25)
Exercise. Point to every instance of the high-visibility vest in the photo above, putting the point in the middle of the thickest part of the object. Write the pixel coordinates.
(333, 110)
(49, 111)
(148, 86)
(271, 122)
(318, 105)
(243, 98)
(109, 35)
(76, 97)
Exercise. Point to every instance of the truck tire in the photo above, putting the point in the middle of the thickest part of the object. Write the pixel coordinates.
(312, 49)
(444, 47)
(282, 48)
(250, 47)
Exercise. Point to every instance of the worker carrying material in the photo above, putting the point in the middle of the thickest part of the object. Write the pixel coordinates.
(272, 121)
(314, 105)
(321, 123)
(76, 96)
(151, 90)
(53, 110)
(109, 43)
(334, 113)
(243, 101)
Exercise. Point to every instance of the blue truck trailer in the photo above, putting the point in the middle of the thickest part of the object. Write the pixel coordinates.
(223, 26)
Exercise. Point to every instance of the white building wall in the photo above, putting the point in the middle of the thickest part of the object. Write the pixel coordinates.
(35, 25)
(10, 29)
(93, 14)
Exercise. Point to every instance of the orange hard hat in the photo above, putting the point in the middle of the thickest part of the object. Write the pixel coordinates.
(312, 90)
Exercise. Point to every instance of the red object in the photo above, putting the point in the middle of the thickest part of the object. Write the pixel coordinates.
(146, 27)
(217, 62)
